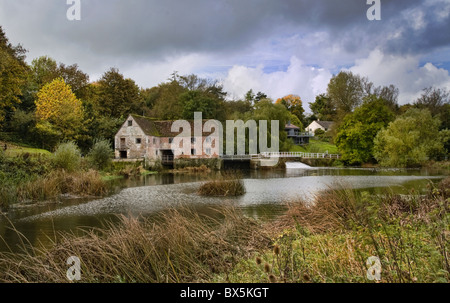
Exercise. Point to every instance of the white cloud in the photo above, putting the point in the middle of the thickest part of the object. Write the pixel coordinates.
(405, 72)
(299, 79)
(151, 73)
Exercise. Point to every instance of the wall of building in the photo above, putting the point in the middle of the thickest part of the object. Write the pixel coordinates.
(314, 126)
(129, 134)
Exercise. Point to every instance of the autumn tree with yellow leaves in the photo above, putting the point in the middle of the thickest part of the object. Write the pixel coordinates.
(294, 104)
(59, 113)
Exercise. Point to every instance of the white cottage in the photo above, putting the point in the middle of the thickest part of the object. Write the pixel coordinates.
(323, 125)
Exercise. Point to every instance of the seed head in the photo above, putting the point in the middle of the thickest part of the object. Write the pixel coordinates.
(272, 278)
(267, 267)
(306, 277)
(258, 260)
(276, 250)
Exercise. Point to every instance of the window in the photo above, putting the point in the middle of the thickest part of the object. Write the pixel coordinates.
(154, 141)
(208, 151)
(130, 123)
(193, 152)
(170, 140)
(193, 140)
(138, 140)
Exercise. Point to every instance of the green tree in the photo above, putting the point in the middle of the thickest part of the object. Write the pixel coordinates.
(45, 69)
(166, 100)
(236, 109)
(76, 78)
(355, 136)
(196, 101)
(410, 140)
(346, 92)
(250, 97)
(265, 109)
(390, 95)
(253, 99)
(116, 96)
(13, 75)
(433, 99)
(260, 96)
(323, 108)
(23, 125)
(202, 95)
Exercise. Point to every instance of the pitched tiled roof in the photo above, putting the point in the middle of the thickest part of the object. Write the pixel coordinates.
(155, 128)
(325, 124)
(291, 126)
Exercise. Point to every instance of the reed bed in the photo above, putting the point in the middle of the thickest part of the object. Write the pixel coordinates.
(179, 246)
(60, 182)
(332, 239)
(229, 184)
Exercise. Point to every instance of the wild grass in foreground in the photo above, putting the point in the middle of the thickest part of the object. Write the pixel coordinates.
(180, 246)
(326, 241)
(332, 239)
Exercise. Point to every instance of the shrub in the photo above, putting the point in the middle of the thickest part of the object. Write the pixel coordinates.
(100, 154)
(319, 132)
(67, 156)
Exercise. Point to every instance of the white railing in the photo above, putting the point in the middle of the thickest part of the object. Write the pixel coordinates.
(301, 155)
(239, 157)
(281, 155)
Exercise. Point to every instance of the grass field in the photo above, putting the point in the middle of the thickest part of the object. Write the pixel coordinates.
(13, 149)
(316, 146)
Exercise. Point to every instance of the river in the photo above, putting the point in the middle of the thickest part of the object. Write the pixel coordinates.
(267, 192)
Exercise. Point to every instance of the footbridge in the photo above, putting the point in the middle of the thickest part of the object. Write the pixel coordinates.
(298, 155)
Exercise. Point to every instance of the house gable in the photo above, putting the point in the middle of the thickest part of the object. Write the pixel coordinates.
(323, 125)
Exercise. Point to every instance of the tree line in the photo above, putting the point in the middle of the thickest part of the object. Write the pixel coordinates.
(46, 102)
(371, 127)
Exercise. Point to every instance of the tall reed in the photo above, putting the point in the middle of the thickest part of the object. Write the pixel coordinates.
(229, 184)
(177, 246)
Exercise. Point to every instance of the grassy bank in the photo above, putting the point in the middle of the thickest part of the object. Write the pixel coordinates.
(332, 240)
(30, 175)
(328, 241)
(316, 146)
(27, 178)
(13, 149)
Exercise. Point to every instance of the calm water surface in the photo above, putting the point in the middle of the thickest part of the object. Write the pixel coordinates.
(267, 191)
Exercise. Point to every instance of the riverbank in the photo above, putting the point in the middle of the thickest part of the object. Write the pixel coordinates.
(29, 176)
(333, 239)
(328, 241)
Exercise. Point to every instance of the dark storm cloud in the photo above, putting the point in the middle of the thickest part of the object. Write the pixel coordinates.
(142, 29)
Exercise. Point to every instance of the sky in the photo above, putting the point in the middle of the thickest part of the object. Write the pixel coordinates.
(278, 47)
